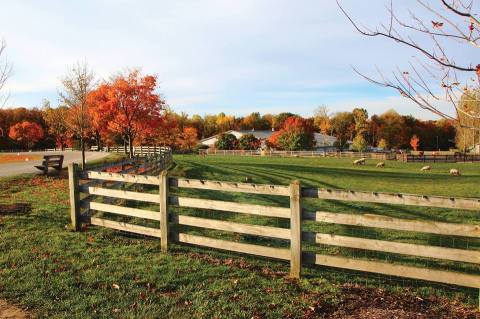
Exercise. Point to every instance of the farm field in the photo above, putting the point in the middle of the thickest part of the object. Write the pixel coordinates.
(103, 273)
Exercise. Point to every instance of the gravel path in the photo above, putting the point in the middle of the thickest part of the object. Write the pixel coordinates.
(11, 169)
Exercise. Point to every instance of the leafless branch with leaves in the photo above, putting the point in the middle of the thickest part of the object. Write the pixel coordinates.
(437, 77)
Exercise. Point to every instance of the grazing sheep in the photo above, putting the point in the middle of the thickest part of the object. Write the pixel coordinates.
(359, 161)
(381, 164)
(425, 168)
(455, 172)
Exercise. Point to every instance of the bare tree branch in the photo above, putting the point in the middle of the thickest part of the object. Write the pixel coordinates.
(5, 72)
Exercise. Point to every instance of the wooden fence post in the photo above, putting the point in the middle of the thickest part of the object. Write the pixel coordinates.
(74, 195)
(163, 210)
(295, 230)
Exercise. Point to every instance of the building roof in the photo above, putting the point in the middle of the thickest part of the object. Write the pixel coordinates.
(262, 135)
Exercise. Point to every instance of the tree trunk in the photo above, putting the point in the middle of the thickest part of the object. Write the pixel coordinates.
(130, 146)
(82, 146)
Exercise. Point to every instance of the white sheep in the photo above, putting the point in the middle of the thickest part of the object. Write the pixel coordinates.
(359, 161)
(455, 172)
(381, 164)
(425, 168)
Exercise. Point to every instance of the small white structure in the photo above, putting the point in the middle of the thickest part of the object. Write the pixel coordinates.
(322, 140)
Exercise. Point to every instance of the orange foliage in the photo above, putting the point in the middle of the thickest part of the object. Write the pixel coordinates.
(128, 107)
(27, 133)
(188, 139)
(415, 142)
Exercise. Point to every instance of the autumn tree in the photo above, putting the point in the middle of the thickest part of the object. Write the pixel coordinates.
(296, 134)
(467, 135)
(56, 121)
(415, 142)
(360, 117)
(226, 142)
(188, 139)
(248, 142)
(343, 125)
(322, 121)
(26, 133)
(280, 119)
(77, 85)
(255, 122)
(382, 144)
(359, 143)
(131, 105)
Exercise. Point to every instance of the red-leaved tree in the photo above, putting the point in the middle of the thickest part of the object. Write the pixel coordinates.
(415, 142)
(27, 133)
(129, 105)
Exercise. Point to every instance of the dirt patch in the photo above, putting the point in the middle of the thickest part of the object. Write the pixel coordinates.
(15, 209)
(8, 311)
(361, 303)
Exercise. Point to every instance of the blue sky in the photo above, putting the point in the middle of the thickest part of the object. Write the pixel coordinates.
(210, 56)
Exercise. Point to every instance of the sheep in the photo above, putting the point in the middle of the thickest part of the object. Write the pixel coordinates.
(381, 164)
(359, 161)
(454, 172)
(425, 168)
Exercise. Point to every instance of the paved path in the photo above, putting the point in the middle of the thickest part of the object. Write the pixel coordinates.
(10, 169)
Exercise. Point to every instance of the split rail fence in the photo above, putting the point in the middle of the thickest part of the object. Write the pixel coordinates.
(371, 155)
(294, 213)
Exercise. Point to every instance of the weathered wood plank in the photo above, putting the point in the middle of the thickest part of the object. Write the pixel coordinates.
(278, 253)
(120, 210)
(74, 196)
(446, 277)
(378, 221)
(470, 256)
(143, 197)
(393, 198)
(163, 200)
(295, 230)
(230, 206)
(230, 186)
(256, 230)
(125, 178)
(125, 227)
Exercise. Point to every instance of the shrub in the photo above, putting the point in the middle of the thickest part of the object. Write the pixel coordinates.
(226, 142)
(248, 142)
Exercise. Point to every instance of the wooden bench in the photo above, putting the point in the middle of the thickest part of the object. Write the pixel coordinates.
(54, 161)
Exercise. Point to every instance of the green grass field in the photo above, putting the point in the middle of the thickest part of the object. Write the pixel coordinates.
(103, 273)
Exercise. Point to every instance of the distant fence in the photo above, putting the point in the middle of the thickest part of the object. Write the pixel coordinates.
(83, 210)
(138, 150)
(372, 155)
(439, 158)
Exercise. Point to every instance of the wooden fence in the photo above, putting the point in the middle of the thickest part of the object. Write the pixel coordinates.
(295, 213)
(146, 150)
(372, 155)
(439, 158)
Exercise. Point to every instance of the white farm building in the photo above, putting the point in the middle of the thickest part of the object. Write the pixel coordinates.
(322, 140)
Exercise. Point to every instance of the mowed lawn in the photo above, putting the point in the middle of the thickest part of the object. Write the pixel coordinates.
(338, 173)
(108, 274)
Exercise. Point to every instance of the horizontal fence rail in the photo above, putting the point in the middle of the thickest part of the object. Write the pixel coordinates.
(393, 198)
(97, 184)
(322, 153)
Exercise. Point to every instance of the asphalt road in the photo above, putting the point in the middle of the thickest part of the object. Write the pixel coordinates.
(10, 169)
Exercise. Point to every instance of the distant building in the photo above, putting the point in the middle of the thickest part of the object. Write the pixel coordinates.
(323, 141)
